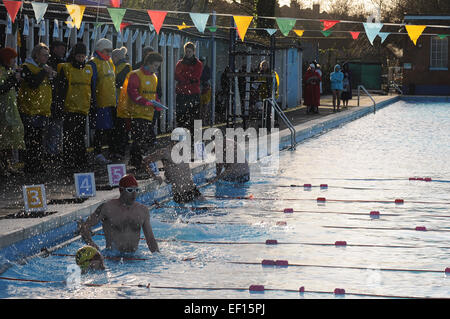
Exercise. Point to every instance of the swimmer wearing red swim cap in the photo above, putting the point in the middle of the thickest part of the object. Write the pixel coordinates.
(122, 219)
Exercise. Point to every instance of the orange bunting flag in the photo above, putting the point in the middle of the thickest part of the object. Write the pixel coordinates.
(355, 34)
(157, 18)
(327, 24)
(242, 24)
(183, 26)
(299, 32)
(414, 32)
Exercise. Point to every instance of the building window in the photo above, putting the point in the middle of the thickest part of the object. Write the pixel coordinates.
(439, 54)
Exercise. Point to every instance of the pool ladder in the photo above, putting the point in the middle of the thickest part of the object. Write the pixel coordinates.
(368, 94)
(283, 116)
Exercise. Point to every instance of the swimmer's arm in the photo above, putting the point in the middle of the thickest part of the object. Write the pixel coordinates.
(91, 221)
(153, 157)
(149, 236)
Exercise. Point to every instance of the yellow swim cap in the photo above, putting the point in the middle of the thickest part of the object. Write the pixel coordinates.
(84, 256)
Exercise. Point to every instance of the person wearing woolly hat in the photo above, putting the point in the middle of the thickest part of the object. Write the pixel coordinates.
(337, 78)
(11, 127)
(122, 219)
(103, 109)
(120, 135)
(74, 98)
(89, 258)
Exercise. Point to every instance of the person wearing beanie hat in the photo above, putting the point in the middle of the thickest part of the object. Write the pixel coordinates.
(74, 98)
(120, 135)
(103, 108)
(122, 219)
(89, 258)
(11, 127)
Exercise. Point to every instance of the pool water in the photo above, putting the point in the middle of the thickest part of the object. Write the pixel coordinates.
(217, 253)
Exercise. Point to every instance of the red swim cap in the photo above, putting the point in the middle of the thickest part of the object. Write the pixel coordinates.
(128, 181)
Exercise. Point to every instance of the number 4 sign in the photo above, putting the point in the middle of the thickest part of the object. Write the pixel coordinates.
(115, 173)
(34, 197)
(85, 184)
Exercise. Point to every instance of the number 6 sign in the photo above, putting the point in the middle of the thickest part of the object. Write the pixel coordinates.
(115, 173)
(34, 197)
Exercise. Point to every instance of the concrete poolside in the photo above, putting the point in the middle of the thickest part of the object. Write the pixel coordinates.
(14, 230)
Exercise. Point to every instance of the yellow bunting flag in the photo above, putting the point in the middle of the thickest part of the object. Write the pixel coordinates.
(414, 31)
(299, 32)
(183, 26)
(242, 23)
(76, 13)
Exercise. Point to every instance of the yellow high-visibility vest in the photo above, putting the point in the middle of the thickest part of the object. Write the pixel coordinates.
(35, 101)
(105, 91)
(78, 96)
(147, 89)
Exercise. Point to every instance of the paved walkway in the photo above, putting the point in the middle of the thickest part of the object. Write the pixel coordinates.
(64, 207)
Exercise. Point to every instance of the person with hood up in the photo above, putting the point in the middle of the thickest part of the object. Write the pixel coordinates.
(337, 78)
(312, 89)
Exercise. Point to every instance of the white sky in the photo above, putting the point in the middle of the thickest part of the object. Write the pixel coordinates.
(323, 3)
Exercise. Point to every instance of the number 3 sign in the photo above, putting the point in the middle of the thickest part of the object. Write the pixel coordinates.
(34, 197)
(115, 173)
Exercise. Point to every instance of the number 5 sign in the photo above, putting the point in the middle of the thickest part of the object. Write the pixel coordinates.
(115, 173)
(85, 184)
(34, 197)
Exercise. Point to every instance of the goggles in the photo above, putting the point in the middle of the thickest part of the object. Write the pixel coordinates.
(132, 189)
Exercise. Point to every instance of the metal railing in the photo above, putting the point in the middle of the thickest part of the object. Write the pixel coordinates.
(283, 116)
(396, 87)
(368, 94)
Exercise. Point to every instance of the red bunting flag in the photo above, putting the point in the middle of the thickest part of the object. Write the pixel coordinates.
(124, 25)
(157, 18)
(12, 7)
(327, 24)
(115, 3)
(355, 34)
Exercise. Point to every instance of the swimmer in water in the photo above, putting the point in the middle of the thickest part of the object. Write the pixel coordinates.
(236, 170)
(89, 258)
(178, 174)
(122, 219)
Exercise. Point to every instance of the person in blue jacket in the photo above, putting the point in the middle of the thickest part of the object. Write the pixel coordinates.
(336, 79)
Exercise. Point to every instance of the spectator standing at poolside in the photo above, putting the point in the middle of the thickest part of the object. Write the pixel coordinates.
(319, 71)
(188, 72)
(135, 102)
(346, 91)
(11, 127)
(336, 79)
(205, 90)
(74, 94)
(346, 70)
(34, 100)
(122, 219)
(312, 90)
(54, 133)
(178, 174)
(103, 108)
(121, 127)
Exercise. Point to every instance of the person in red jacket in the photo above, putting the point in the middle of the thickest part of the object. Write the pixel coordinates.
(188, 72)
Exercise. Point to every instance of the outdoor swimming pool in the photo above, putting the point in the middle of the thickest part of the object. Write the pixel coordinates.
(366, 164)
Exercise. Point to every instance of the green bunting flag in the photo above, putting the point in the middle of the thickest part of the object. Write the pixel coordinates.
(326, 33)
(443, 36)
(116, 16)
(285, 25)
